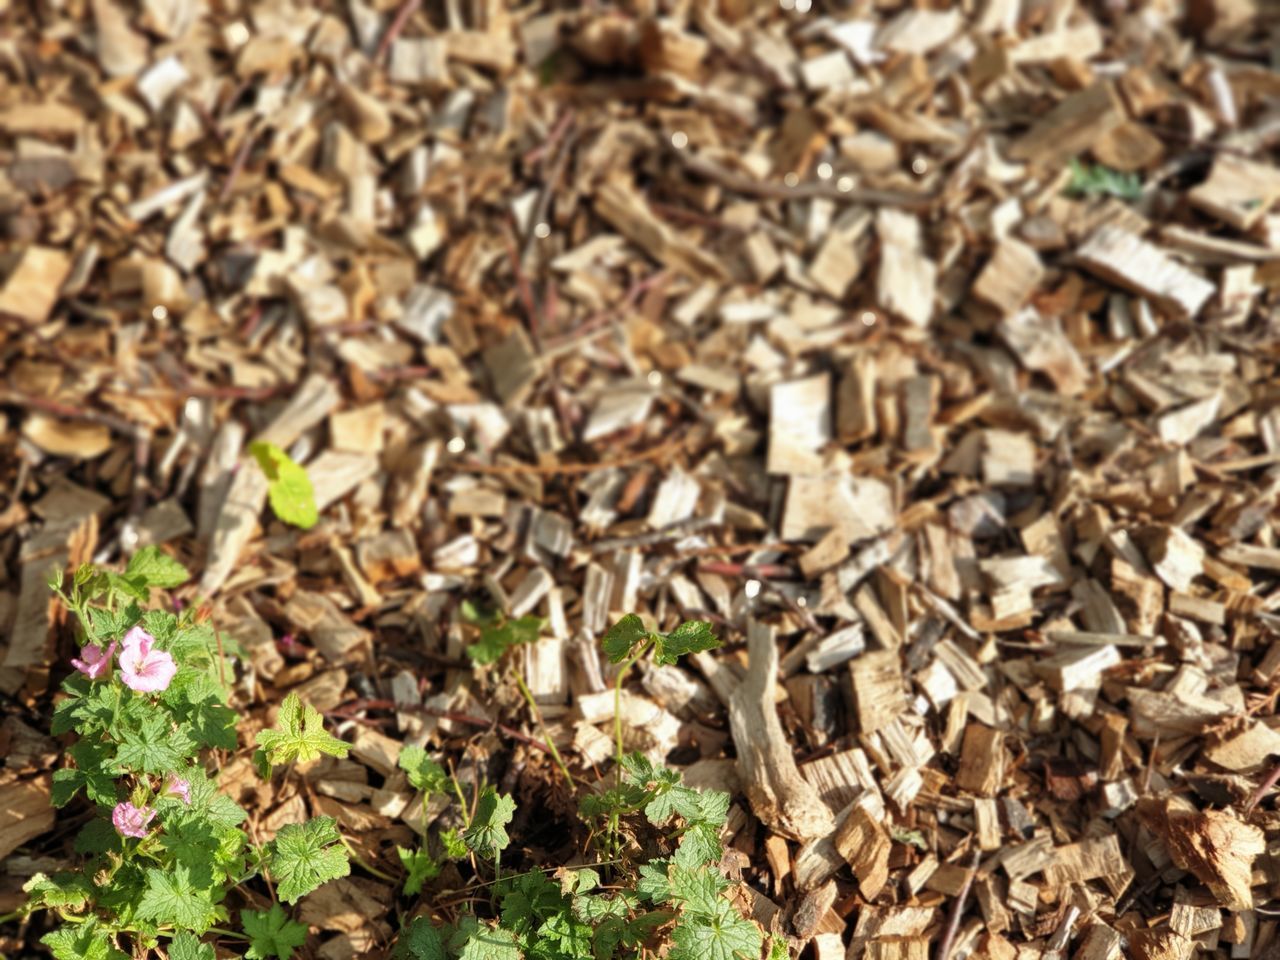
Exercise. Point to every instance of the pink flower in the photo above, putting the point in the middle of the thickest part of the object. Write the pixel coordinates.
(94, 662)
(131, 821)
(175, 786)
(143, 668)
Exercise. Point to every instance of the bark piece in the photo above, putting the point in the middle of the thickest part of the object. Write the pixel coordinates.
(32, 287)
(782, 799)
(864, 842)
(1118, 255)
(1215, 846)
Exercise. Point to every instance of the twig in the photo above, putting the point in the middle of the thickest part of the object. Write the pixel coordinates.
(53, 407)
(237, 165)
(559, 141)
(570, 341)
(406, 11)
(957, 908)
(1263, 788)
(676, 529)
(710, 170)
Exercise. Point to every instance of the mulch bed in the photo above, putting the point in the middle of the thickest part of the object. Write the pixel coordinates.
(928, 351)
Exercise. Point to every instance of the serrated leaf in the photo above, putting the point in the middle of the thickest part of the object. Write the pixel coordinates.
(192, 844)
(81, 941)
(152, 567)
(594, 908)
(155, 747)
(453, 845)
(186, 946)
(420, 867)
(306, 855)
(489, 943)
(699, 844)
(654, 883)
(299, 737)
(487, 834)
(724, 936)
(692, 636)
(172, 899)
(671, 799)
(293, 498)
(698, 890)
(497, 639)
(778, 949)
(571, 937)
(69, 891)
(420, 941)
(271, 933)
(98, 836)
(424, 773)
(623, 636)
(91, 772)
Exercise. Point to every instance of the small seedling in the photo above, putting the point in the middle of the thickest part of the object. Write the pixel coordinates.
(289, 489)
(1100, 180)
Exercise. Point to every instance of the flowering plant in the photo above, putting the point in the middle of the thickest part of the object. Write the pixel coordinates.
(148, 702)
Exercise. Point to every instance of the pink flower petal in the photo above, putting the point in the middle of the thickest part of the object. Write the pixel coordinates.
(131, 821)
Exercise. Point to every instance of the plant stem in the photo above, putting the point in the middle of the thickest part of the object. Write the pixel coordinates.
(365, 865)
(462, 800)
(537, 716)
(617, 696)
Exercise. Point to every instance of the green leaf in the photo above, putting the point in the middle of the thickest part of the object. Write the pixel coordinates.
(306, 855)
(623, 636)
(156, 747)
(692, 636)
(1100, 180)
(424, 773)
(69, 891)
(420, 941)
(571, 937)
(497, 639)
(192, 843)
(697, 889)
(90, 771)
(455, 847)
(81, 941)
(911, 837)
(654, 883)
(299, 737)
(420, 866)
(778, 949)
(724, 936)
(293, 498)
(487, 834)
(271, 934)
(152, 567)
(699, 844)
(171, 899)
(489, 943)
(186, 946)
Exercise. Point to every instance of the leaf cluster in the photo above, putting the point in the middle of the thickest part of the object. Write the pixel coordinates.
(677, 902)
(141, 756)
(498, 634)
(629, 637)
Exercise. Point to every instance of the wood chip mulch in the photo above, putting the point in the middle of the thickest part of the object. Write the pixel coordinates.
(928, 350)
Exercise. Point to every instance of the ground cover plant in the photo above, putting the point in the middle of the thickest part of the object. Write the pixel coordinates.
(148, 702)
(148, 705)
(650, 881)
